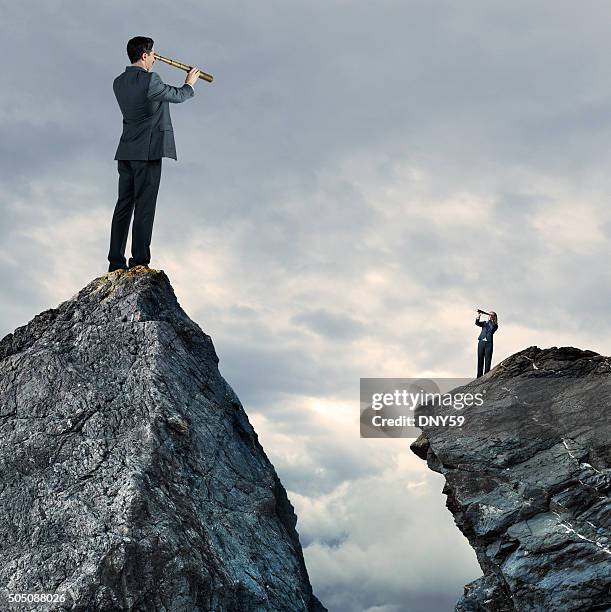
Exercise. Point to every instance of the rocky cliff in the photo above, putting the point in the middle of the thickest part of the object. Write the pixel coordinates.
(528, 479)
(130, 476)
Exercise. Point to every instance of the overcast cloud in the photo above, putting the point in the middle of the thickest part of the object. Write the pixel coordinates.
(357, 180)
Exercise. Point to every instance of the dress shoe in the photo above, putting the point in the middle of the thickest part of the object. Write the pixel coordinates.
(112, 268)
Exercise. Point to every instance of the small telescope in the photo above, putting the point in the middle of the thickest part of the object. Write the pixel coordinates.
(202, 75)
(482, 312)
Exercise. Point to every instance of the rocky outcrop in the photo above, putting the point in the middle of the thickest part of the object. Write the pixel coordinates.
(528, 479)
(130, 476)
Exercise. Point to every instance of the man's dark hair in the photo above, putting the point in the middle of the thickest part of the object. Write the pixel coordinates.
(137, 46)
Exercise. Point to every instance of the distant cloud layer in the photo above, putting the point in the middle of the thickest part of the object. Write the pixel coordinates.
(356, 181)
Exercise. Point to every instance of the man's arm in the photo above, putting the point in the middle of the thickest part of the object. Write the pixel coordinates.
(478, 322)
(159, 91)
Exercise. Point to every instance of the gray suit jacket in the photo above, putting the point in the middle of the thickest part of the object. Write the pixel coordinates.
(147, 126)
(488, 329)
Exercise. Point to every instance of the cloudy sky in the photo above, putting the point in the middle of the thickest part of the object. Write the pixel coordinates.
(357, 180)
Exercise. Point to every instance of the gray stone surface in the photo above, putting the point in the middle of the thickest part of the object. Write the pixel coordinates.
(130, 476)
(528, 480)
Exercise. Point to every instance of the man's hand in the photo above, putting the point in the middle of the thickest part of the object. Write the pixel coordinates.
(192, 76)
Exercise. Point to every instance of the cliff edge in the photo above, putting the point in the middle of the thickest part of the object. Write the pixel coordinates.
(528, 479)
(130, 476)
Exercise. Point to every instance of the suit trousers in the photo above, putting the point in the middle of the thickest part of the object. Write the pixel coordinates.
(484, 356)
(138, 188)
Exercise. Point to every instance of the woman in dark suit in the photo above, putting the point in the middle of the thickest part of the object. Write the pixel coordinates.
(484, 342)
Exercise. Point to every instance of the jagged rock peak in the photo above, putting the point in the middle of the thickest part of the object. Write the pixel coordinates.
(528, 479)
(131, 478)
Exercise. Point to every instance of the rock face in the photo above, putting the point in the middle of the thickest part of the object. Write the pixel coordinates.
(528, 479)
(130, 476)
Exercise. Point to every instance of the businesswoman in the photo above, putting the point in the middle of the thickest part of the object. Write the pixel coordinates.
(484, 341)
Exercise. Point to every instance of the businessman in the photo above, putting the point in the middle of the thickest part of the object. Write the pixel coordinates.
(147, 137)
(484, 342)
